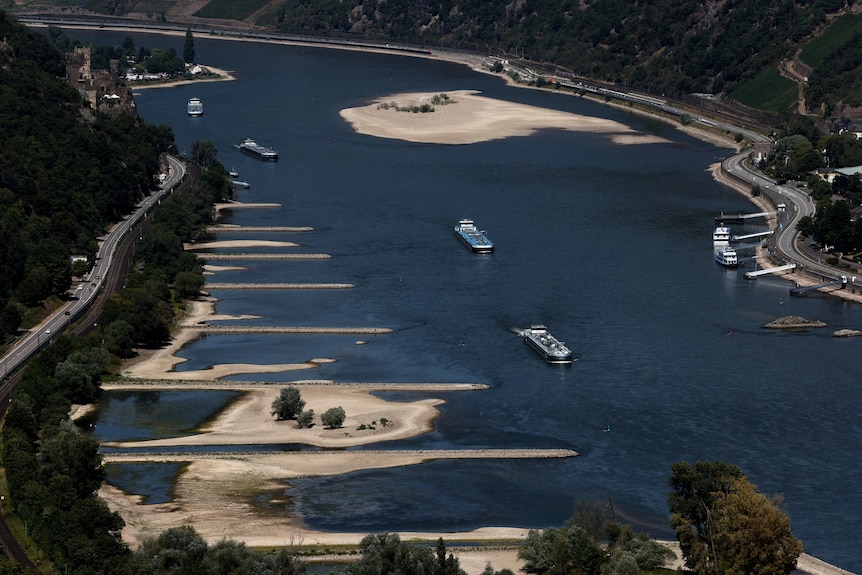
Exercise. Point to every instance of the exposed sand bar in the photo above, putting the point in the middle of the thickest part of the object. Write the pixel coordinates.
(469, 118)
(276, 286)
(248, 329)
(265, 256)
(249, 420)
(240, 244)
(255, 229)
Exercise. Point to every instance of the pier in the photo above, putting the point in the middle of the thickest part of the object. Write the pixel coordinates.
(755, 274)
(802, 291)
(740, 218)
(240, 184)
(749, 236)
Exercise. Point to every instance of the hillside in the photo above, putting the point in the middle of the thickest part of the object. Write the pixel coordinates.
(666, 47)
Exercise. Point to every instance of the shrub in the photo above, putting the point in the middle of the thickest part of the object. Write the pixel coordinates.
(333, 417)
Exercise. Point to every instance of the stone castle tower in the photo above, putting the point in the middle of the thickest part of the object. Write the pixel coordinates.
(101, 88)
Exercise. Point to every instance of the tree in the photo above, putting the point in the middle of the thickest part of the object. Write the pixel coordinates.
(305, 419)
(386, 554)
(189, 48)
(753, 534)
(559, 551)
(725, 526)
(288, 404)
(333, 417)
(204, 153)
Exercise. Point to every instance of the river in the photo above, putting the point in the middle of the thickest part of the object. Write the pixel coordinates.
(609, 245)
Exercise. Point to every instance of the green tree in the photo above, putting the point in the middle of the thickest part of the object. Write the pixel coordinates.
(204, 153)
(724, 526)
(10, 319)
(119, 337)
(188, 284)
(753, 533)
(694, 492)
(559, 551)
(805, 225)
(288, 404)
(305, 419)
(333, 417)
(834, 225)
(73, 455)
(386, 554)
(189, 48)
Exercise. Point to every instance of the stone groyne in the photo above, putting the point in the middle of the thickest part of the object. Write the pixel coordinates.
(286, 286)
(212, 257)
(426, 454)
(218, 228)
(237, 329)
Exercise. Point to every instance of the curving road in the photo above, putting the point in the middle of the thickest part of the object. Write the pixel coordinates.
(86, 291)
(798, 204)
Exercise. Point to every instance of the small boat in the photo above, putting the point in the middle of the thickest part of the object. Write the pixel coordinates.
(727, 257)
(475, 239)
(721, 236)
(546, 345)
(195, 107)
(233, 173)
(251, 147)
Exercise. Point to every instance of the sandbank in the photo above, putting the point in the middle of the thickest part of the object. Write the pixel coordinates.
(161, 363)
(469, 118)
(240, 244)
(249, 421)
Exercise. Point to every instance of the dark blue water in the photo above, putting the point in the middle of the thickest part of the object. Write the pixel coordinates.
(608, 245)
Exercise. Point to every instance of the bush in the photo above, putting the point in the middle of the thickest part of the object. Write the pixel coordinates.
(333, 417)
(305, 419)
(288, 405)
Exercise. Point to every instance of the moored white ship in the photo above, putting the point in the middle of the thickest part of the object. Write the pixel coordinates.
(546, 345)
(727, 257)
(251, 147)
(721, 236)
(195, 107)
(475, 239)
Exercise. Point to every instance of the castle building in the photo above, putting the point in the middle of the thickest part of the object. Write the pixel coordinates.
(101, 88)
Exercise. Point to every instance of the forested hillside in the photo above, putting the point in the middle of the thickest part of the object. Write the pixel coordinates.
(66, 172)
(669, 47)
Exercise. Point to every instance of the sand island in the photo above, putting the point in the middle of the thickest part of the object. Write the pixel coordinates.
(466, 117)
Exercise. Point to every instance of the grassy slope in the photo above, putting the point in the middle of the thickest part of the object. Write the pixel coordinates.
(768, 91)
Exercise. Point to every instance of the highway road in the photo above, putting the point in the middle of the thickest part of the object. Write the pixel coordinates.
(86, 291)
(798, 204)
